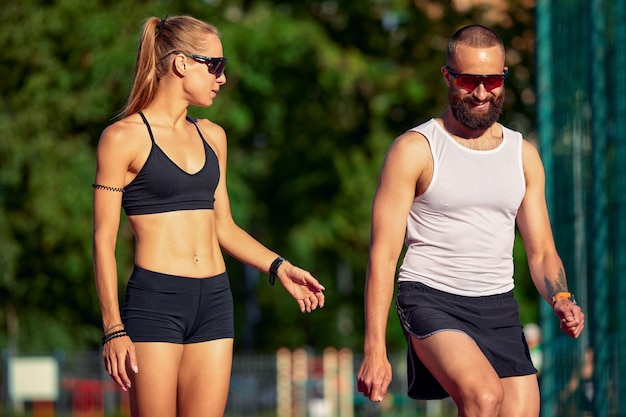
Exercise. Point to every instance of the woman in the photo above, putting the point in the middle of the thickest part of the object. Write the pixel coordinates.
(170, 345)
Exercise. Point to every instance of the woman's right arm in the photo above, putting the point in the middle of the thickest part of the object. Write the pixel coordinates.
(299, 283)
(114, 156)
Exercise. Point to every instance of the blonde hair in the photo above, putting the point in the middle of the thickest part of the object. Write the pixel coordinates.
(157, 41)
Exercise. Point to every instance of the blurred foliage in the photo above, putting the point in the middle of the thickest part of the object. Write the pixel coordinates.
(316, 92)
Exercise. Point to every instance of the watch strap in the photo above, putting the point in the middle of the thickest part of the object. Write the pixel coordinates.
(274, 269)
(563, 294)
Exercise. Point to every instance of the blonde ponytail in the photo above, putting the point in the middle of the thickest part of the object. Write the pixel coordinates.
(157, 41)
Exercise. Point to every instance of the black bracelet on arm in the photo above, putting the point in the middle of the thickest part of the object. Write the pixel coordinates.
(108, 188)
(113, 335)
(274, 269)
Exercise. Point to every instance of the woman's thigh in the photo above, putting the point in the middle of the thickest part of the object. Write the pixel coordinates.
(181, 380)
(154, 387)
(204, 378)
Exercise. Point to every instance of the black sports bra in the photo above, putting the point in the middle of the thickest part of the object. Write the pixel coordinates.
(162, 186)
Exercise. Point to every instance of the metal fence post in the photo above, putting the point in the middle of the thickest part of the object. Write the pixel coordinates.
(619, 135)
(545, 128)
(599, 244)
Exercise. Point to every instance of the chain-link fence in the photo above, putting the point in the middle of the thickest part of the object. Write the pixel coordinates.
(581, 92)
(260, 387)
(285, 384)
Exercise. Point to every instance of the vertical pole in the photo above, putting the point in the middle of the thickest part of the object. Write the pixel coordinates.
(6, 358)
(599, 208)
(330, 377)
(545, 128)
(619, 95)
(283, 383)
(346, 383)
(300, 379)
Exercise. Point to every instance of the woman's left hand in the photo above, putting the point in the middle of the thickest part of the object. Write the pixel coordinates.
(302, 286)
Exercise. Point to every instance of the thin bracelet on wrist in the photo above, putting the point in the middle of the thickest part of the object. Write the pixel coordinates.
(108, 329)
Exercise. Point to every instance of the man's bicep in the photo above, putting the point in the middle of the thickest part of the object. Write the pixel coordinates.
(393, 199)
(532, 220)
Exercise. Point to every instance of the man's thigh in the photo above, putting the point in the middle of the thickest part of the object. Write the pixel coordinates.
(457, 362)
(521, 396)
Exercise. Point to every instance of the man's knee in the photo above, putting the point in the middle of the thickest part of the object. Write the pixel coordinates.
(482, 400)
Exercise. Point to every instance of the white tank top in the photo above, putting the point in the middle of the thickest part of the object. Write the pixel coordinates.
(460, 231)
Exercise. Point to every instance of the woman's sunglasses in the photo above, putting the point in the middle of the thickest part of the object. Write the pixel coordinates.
(471, 81)
(215, 66)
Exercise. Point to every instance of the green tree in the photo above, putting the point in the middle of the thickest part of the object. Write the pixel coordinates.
(316, 92)
(59, 85)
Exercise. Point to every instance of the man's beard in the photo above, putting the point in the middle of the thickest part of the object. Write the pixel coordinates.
(471, 119)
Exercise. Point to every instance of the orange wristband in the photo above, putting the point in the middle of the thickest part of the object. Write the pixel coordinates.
(562, 294)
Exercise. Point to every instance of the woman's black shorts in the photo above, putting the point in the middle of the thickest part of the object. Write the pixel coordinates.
(491, 321)
(168, 308)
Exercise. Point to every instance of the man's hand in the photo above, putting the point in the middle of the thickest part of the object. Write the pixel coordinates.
(374, 377)
(571, 316)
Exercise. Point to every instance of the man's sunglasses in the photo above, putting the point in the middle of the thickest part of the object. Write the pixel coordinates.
(471, 81)
(215, 66)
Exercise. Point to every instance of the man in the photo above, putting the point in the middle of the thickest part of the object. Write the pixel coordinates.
(456, 186)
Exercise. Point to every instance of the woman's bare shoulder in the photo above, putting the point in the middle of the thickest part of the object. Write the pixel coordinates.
(211, 128)
(213, 133)
(125, 133)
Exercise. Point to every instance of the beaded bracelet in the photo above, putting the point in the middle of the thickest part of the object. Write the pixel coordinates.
(106, 335)
(113, 335)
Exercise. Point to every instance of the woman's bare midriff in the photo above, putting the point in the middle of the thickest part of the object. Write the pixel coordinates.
(180, 243)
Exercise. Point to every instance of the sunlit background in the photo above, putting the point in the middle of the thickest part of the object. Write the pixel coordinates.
(316, 93)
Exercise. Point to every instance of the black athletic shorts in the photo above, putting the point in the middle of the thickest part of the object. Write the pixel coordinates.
(491, 321)
(168, 308)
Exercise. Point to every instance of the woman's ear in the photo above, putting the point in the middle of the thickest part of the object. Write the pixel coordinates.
(179, 65)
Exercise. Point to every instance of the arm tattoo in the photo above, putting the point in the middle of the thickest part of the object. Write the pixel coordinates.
(557, 286)
(108, 188)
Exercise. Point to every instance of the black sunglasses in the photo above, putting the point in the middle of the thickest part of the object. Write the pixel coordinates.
(216, 66)
(471, 81)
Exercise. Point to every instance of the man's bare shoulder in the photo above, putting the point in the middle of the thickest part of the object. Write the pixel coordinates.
(413, 137)
(411, 144)
(532, 164)
(530, 153)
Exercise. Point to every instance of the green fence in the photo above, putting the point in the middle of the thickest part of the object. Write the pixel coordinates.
(581, 92)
